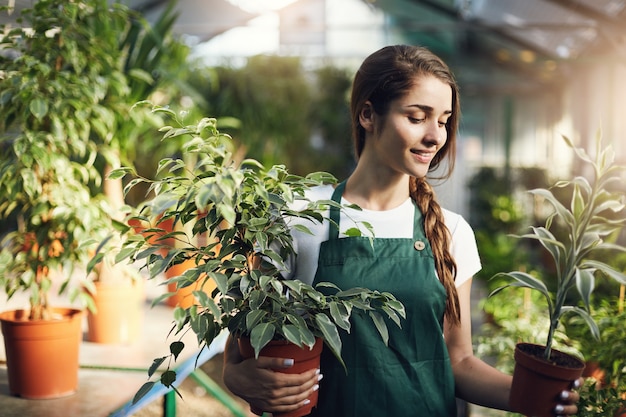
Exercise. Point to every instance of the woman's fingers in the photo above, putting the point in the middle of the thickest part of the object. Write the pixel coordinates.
(569, 399)
(260, 383)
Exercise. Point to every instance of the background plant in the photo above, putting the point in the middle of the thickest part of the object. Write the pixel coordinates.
(587, 224)
(66, 88)
(287, 113)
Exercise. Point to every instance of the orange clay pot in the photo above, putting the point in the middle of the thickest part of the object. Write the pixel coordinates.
(42, 355)
(119, 312)
(304, 360)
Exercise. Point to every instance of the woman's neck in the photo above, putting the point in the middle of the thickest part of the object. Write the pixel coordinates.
(369, 190)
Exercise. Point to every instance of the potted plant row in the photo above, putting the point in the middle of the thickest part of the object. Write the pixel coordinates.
(245, 210)
(542, 372)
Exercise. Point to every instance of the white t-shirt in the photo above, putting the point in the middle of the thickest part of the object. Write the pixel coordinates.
(394, 223)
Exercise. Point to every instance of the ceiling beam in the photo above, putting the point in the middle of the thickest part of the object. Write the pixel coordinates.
(477, 25)
(588, 12)
(610, 28)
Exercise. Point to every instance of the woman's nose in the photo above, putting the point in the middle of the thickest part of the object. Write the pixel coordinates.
(433, 135)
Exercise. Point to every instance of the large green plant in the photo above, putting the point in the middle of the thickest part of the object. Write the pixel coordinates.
(51, 92)
(242, 211)
(66, 90)
(587, 223)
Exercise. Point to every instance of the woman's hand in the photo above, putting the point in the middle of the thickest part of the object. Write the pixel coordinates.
(263, 386)
(569, 399)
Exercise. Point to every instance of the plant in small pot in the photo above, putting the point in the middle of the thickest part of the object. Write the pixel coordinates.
(246, 210)
(55, 216)
(586, 222)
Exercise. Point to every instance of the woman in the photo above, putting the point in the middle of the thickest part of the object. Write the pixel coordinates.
(405, 115)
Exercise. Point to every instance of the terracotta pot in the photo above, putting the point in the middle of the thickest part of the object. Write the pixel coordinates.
(537, 383)
(119, 312)
(304, 360)
(183, 297)
(42, 355)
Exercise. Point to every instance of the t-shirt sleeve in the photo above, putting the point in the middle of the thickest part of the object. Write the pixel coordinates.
(463, 248)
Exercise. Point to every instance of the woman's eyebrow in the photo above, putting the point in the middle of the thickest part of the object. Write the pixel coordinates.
(427, 109)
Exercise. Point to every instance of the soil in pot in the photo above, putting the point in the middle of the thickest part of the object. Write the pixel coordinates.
(42, 355)
(537, 383)
(304, 359)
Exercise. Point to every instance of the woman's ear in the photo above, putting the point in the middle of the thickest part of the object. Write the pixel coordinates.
(366, 117)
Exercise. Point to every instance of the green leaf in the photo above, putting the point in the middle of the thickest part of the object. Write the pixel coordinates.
(176, 348)
(340, 315)
(525, 280)
(292, 334)
(353, 232)
(254, 317)
(381, 326)
(168, 378)
(585, 283)
(581, 153)
(548, 241)
(560, 208)
(145, 388)
(593, 327)
(120, 173)
(329, 332)
(606, 269)
(392, 315)
(578, 203)
(155, 365)
(261, 336)
(39, 108)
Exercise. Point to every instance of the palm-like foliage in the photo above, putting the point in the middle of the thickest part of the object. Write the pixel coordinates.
(587, 223)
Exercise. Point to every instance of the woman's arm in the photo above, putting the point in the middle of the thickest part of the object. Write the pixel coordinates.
(257, 382)
(476, 381)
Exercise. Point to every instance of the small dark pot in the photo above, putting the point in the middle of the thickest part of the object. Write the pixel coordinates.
(304, 360)
(537, 383)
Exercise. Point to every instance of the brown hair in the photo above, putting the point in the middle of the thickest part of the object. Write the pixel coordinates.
(383, 77)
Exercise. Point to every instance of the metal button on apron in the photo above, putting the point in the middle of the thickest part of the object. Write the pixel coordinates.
(419, 245)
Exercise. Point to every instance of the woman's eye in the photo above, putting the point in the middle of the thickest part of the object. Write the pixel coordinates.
(415, 120)
(442, 124)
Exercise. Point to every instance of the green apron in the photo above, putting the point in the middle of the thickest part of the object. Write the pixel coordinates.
(411, 377)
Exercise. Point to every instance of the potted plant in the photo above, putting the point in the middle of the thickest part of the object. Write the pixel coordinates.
(54, 215)
(51, 104)
(586, 223)
(245, 214)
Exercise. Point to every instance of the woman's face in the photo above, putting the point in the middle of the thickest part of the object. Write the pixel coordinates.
(414, 130)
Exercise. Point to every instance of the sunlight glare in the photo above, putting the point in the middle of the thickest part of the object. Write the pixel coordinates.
(261, 6)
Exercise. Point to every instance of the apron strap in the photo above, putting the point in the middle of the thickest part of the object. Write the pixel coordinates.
(333, 229)
(417, 223)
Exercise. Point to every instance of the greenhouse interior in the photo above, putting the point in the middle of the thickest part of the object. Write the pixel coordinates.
(153, 154)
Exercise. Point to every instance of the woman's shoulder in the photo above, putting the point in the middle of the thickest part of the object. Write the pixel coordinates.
(317, 193)
(313, 194)
(320, 192)
(456, 223)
